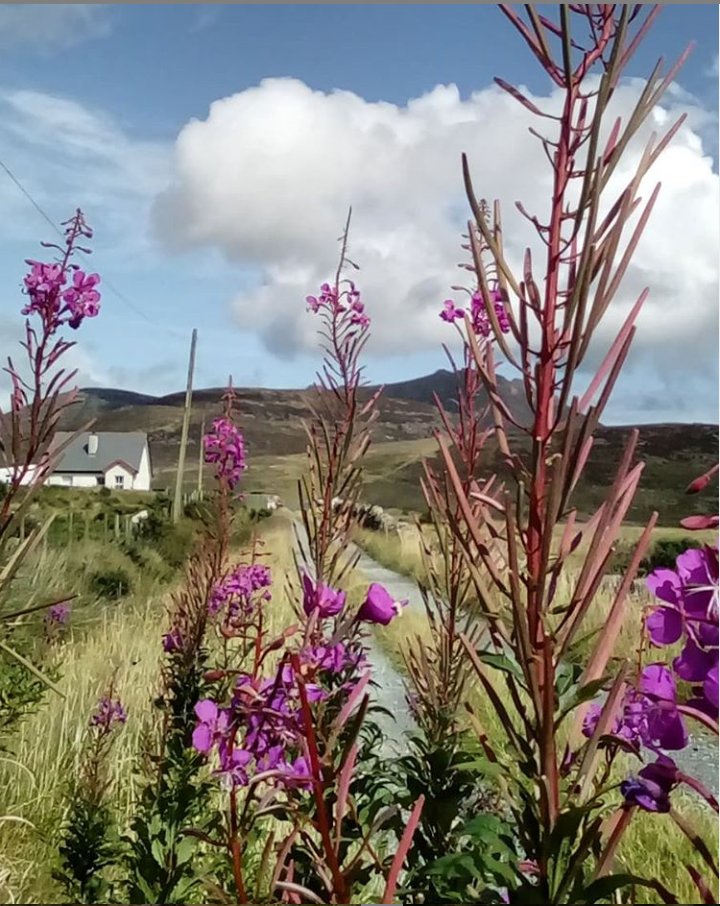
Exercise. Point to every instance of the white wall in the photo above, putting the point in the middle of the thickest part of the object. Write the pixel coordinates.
(78, 480)
(143, 477)
(116, 470)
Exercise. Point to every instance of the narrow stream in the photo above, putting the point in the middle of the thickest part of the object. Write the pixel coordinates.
(699, 759)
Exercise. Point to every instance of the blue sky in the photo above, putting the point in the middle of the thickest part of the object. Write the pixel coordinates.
(97, 106)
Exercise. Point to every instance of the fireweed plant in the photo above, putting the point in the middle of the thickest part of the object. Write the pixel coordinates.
(58, 294)
(89, 845)
(282, 726)
(162, 861)
(568, 807)
(259, 782)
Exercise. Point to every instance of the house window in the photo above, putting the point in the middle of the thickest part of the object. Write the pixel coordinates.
(101, 479)
(119, 481)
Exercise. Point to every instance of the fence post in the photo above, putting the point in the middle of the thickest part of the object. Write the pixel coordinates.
(117, 526)
(87, 526)
(105, 526)
(71, 528)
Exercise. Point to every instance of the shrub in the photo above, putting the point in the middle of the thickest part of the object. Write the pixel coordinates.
(111, 583)
(665, 552)
(147, 559)
(176, 542)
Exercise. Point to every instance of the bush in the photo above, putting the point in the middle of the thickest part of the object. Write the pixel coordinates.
(176, 542)
(664, 553)
(148, 560)
(195, 509)
(111, 583)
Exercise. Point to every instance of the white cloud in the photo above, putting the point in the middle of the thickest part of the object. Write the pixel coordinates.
(267, 179)
(43, 26)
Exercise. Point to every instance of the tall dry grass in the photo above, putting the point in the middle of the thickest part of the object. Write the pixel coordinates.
(118, 642)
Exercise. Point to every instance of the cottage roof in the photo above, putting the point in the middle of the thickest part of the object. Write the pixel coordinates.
(113, 446)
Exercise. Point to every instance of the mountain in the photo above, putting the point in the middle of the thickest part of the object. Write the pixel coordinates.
(273, 424)
(443, 383)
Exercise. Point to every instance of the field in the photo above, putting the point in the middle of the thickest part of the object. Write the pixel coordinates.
(120, 641)
(273, 422)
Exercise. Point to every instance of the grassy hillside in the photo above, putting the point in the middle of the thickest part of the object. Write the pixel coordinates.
(673, 454)
(274, 425)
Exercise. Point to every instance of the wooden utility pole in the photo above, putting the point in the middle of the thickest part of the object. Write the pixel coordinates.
(177, 504)
(201, 459)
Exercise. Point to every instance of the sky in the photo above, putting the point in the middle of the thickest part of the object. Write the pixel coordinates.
(215, 150)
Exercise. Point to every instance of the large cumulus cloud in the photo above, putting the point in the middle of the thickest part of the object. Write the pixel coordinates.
(268, 176)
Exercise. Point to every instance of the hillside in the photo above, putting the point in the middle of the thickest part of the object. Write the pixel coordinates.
(273, 420)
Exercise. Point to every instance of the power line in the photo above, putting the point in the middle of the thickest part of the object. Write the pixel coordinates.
(113, 289)
(178, 333)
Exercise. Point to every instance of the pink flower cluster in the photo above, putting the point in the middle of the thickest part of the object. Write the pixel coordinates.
(55, 305)
(650, 716)
(338, 301)
(478, 313)
(235, 593)
(689, 612)
(58, 614)
(260, 730)
(108, 713)
(225, 448)
(379, 605)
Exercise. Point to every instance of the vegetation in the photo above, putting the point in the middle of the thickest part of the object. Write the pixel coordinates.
(198, 712)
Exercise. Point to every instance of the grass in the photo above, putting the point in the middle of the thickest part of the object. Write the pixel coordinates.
(119, 642)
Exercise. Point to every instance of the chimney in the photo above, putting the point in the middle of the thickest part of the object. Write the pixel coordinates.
(92, 444)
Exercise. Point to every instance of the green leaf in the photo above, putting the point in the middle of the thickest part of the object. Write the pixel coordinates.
(575, 696)
(604, 888)
(185, 850)
(501, 662)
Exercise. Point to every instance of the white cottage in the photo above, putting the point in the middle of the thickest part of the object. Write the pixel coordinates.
(119, 460)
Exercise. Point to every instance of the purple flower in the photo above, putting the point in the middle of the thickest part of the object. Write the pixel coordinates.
(236, 591)
(58, 614)
(690, 611)
(82, 299)
(450, 313)
(665, 727)
(44, 285)
(327, 601)
(379, 606)
(480, 319)
(297, 774)
(710, 688)
(225, 448)
(649, 715)
(651, 789)
(213, 723)
(108, 713)
(172, 641)
(690, 596)
(234, 765)
(478, 312)
(343, 300)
